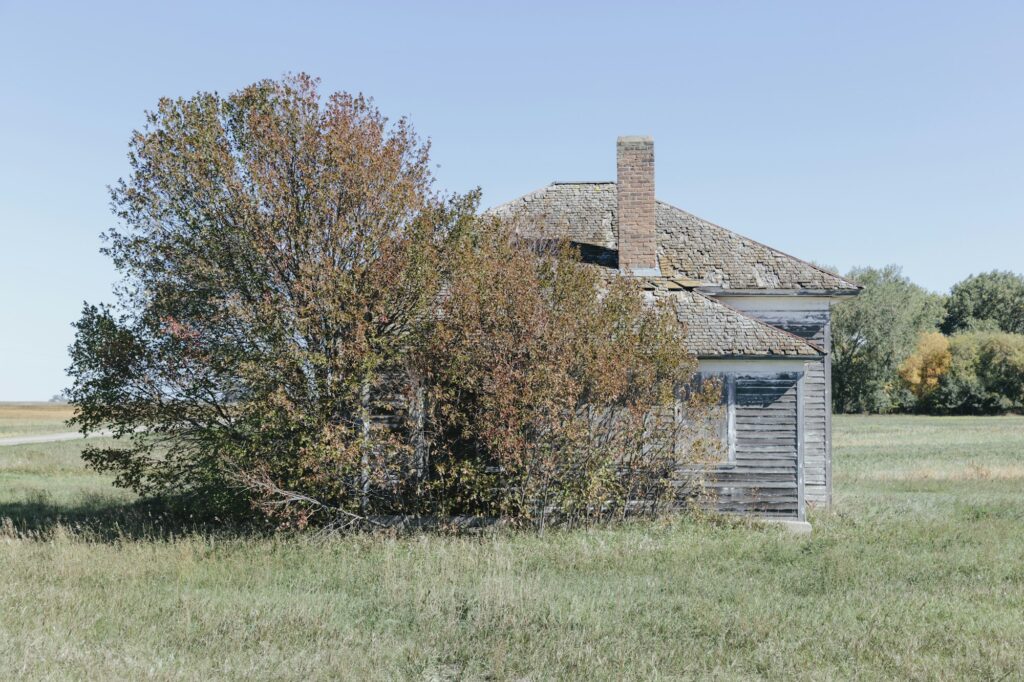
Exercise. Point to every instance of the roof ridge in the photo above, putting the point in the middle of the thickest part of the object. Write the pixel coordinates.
(523, 197)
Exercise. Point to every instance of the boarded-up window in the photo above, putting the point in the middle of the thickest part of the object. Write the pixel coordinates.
(698, 430)
(765, 476)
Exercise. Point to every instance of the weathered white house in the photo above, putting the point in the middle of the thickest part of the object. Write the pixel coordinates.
(756, 317)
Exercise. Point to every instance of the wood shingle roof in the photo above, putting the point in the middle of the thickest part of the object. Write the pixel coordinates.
(688, 246)
(692, 252)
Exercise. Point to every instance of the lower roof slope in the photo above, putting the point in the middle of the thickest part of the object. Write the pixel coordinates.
(715, 330)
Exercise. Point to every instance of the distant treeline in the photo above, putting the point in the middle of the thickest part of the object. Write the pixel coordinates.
(899, 347)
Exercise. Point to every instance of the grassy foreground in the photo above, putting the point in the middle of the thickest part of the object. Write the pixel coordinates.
(917, 573)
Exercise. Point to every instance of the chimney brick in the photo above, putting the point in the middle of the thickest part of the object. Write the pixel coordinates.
(638, 243)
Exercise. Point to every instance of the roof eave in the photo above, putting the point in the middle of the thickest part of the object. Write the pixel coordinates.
(734, 356)
(828, 293)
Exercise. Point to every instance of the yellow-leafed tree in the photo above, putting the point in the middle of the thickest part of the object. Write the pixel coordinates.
(924, 368)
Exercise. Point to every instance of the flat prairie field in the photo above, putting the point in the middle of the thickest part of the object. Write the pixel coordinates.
(27, 419)
(916, 572)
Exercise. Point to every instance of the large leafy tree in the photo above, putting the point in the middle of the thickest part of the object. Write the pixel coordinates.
(277, 251)
(873, 334)
(305, 327)
(992, 300)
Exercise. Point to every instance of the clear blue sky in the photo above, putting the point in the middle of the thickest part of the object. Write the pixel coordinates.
(848, 133)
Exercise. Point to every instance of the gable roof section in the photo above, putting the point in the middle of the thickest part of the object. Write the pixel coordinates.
(582, 212)
(585, 213)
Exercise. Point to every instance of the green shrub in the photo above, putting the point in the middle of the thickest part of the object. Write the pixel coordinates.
(986, 375)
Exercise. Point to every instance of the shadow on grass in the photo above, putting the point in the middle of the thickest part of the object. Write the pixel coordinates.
(102, 519)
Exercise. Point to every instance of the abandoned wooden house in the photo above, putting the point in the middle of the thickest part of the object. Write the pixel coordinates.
(756, 318)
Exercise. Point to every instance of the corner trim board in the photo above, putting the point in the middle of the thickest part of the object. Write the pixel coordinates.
(801, 504)
(730, 387)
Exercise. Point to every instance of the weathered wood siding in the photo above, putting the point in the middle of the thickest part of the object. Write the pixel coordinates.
(817, 445)
(761, 424)
(812, 323)
(762, 475)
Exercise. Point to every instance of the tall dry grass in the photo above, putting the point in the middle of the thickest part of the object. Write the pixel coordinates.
(907, 578)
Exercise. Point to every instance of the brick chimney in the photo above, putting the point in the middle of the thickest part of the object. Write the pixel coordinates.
(638, 243)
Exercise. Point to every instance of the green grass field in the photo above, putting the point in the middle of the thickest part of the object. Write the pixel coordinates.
(916, 573)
